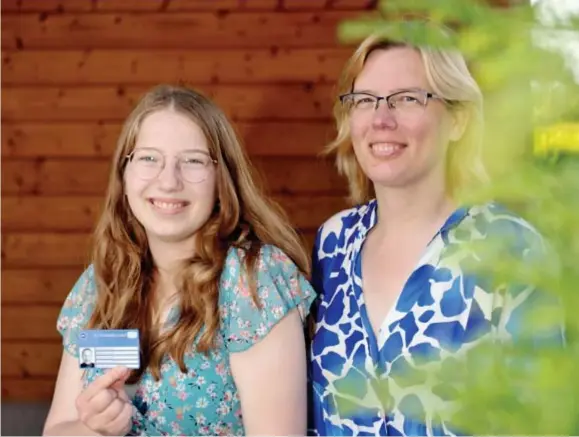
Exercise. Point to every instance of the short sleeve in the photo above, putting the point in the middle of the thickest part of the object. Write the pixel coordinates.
(281, 287)
(530, 315)
(76, 311)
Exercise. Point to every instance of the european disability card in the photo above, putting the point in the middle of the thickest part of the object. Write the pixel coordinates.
(108, 348)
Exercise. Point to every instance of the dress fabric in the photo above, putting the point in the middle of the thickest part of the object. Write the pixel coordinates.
(441, 312)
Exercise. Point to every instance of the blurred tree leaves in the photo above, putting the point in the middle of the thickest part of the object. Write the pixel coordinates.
(531, 146)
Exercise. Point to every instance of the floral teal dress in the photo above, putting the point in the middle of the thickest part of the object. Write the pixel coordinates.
(203, 401)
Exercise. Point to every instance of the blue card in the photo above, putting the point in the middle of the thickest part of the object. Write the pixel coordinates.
(108, 348)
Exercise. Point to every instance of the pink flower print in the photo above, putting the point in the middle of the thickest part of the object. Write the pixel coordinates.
(223, 408)
(175, 428)
(261, 330)
(227, 396)
(220, 369)
(280, 256)
(277, 311)
(231, 261)
(243, 323)
(264, 293)
(201, 419)
(182, 395)
(202, 403)
(204, 430)
(179, 413)
(172, 381)
(243, 289)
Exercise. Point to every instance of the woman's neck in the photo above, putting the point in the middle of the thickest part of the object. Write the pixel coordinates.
(403, 211)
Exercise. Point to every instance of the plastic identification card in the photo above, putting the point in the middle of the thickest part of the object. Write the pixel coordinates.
(108, 348)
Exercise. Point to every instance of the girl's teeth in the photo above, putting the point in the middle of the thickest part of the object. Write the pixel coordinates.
(168, 205)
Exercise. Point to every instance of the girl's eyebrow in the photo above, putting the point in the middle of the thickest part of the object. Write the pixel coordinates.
(182, 151)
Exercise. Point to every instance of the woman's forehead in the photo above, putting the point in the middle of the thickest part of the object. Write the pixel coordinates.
(389, 70)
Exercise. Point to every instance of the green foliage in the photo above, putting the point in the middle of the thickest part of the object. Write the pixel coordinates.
(520, 388)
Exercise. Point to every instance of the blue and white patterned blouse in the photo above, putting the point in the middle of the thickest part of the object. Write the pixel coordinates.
(441, 311)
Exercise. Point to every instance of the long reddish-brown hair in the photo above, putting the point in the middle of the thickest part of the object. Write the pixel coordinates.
(243, 217)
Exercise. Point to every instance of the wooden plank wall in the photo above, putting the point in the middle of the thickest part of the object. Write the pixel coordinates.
(71, 72)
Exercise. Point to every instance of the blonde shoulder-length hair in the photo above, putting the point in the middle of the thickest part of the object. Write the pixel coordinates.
(449, 77)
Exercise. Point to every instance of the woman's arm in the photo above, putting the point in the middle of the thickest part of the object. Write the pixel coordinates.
(271, 379)
(63, 416)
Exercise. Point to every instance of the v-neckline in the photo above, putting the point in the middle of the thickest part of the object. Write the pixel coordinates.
(376, 340)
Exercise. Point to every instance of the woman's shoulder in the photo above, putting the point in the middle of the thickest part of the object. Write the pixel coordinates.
(332, 232)
(494, 217)
(497, 222)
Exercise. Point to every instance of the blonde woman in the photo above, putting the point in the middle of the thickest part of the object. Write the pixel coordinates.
(189, 252)
(393, 295)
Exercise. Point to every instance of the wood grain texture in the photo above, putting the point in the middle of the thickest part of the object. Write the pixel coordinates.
(28, 360)
(63, 6)
(200, 67)
(80, 213)
(31, 322)
(34, 250)
(281, 175)
(107, 103)
(72, 72)
(27, 389)
(51, 249)
(38, 286)
(96, 139)
(172, 30)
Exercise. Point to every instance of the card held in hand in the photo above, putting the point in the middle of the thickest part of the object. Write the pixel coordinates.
(108, 348)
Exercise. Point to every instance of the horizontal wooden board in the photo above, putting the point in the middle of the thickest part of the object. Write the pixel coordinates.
(30, 322)
(38, 286)
(63, 6)
(60, 6)
(45, 249)
(34, 214)
(288, 176)
(33, 250)
(27, 390)
(114, 67)
(31, 359)
(304, 4)
(173, 30)
(90, 139)
(65, 213)
(107, 103)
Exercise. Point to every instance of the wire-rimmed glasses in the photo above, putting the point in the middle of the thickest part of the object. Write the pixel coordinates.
(147, 163)
(411, 102)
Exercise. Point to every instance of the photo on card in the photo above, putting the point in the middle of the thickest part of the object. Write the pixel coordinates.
(108, 348)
